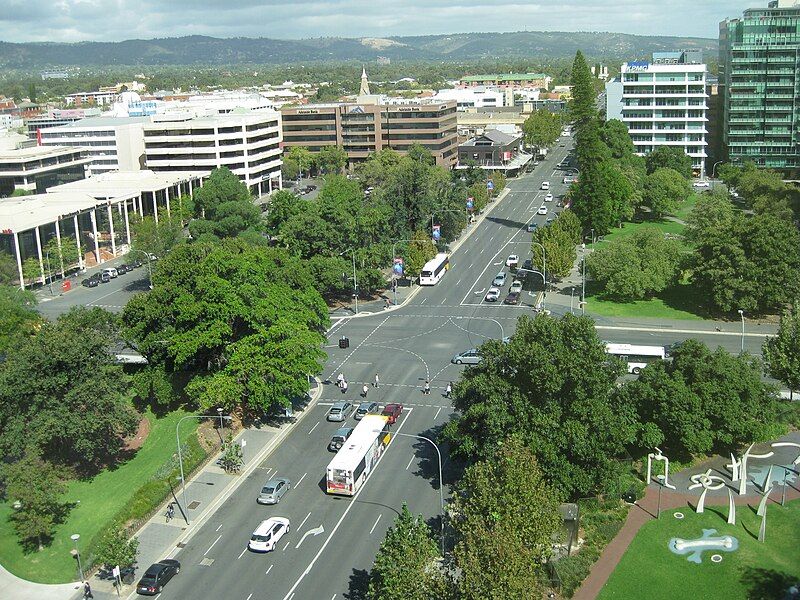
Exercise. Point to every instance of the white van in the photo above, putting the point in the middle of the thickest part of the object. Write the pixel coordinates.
(545, 185)
(112, 272)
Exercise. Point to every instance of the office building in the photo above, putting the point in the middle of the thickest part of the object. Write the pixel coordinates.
(507, 80)
(663, 103)
(56, 118)
(759, 63)
(113, 143)
(248, 142)
(27, 167)
(494, 150)
(477, 97)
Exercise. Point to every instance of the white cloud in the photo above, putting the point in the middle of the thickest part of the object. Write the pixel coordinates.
(114, 20)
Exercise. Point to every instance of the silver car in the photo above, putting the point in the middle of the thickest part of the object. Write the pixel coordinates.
(367, 408)
(339, 438)
(470, 357)
(273, 490)
(500, 279)
(340, 411)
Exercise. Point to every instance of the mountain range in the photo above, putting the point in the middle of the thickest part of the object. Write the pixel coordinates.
(202, 50)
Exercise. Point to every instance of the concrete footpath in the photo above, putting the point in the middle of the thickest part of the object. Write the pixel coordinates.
(158, 539)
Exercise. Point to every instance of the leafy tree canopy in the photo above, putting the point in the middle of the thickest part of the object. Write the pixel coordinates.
(782, 351)
(542, 128)
(665, 190)
(18, 316)
(668, 157)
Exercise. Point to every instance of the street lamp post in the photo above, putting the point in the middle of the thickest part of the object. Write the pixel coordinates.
(583, 279)
(741, 314)
(149, 268)
(714, 167)
(544, 274)
(221, 426)
(180, 455)
(75, 537)
(571, 298)
(49, 271)
(441, 480)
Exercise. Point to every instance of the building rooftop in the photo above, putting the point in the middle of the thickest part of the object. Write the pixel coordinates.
(497, 137)
(36, 153)
(121, 183)
(102, 122)
(26, 212)
(504, 77)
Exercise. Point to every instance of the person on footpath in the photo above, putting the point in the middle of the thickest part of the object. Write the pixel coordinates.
(340, 379)
(344, 386)
(87, 590)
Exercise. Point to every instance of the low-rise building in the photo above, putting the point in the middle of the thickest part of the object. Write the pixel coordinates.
(494, 150)
(476, 97)
(507, 80)
(56, 118)
(27, 167)
(91, 98)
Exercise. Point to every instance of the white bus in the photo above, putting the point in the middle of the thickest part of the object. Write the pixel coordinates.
(434, 269)
(637, 357)
(355, 460)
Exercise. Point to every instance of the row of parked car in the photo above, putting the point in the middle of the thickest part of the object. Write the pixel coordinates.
(110, 273)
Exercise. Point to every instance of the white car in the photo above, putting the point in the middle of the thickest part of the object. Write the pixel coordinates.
(548, 198)
(268, 534)
(542, 210)
(516, 287)
(512, 261)
(493, 295)
(701, 184)
(545, 185)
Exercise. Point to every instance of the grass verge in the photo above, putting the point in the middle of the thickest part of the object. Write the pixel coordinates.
(127, 493)
(755, 571)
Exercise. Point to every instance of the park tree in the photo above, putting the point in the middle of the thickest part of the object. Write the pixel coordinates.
(331, 160)
(782, 351)
(668, 157)
(8, 269)
(62, 392)
(221, 187)
(602, 197)
(582, 106)
(60, 257)
(636, 267)
(301, 157)
(18, 316)
(406, 566)
(541, 128)
(560, 240)
(151, 236)
(224, 207)
(244, 323)
(664, 191)
(419, 251)
(283, 205)
(116, 548)
(35, 488)
(551, 385)
(374, 171)
(614, 134)
(505, 516)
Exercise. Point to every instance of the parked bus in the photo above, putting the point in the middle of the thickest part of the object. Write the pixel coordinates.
(637, 357)
(434, 269)
(358, 456)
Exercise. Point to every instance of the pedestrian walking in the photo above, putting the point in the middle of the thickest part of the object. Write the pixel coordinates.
(340, 379)
(87, 590)
(377, 381)
(170, 512)
(386, 302)
(448, 390)
(364, 390)
(427, 389)
(344, 386)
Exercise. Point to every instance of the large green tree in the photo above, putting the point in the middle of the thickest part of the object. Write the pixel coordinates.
(151, 237)
(18, 316)
(406, 566)
(602, 197)
(244, 322)
(664, 191)
(552, 385)
(669, 157)
(782, 351)
(506, 515)
(116, 548)
(560, 241)
(541, 128)
(582, 106)
(331, 159)
(614, 134)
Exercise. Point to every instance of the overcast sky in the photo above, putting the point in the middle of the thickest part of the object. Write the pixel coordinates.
(115, 20)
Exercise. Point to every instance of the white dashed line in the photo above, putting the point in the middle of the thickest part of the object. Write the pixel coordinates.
(301, 481)
(375, 525)
(313, 428)
(212, 545)
(409, 464)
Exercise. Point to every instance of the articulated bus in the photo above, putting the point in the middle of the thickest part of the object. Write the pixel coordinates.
(355, 460)
(434, 269)
(637, 357)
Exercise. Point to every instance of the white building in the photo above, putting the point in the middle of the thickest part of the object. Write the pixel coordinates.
(94, 98)
(663, 103)
(114, 143)
(476, 97)
(248, 142)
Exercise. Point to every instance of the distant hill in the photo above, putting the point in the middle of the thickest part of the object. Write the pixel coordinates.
(201, 50)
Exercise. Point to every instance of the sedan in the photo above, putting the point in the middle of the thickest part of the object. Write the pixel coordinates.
(273, 490)
(268, 534)
(542, 210)
(366, 408)
(512, 261)
(123, 268)
(157, 576)
(493, 295)
(512, 298)
(531, 227)
(701, 184)
(393, 412)
(340, 411)
(500, 279)
(548, 198)
(91, 282)
(470, 357)
(516, 287)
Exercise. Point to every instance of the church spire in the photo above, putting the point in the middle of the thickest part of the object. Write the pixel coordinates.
(364, 90)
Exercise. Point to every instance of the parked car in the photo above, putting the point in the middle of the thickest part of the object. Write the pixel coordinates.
(393, 411)
(548, 198)
(527, 265)
(512, 298)
(701, 184)
(268, 534)
(112, 272)
(136, 263)
(531, 227)
(470, 357)
(366, 408)
(542, 210)
(273, 490)
(339, 438)
(340, 411)
(499, 279)
(549, 220)
(512, 261)
(104, 277)
(516, 287)
(123, 268)
(91, 282)
(157, 576)
(493, 295)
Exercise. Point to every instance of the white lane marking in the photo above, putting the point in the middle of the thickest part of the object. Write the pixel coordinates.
(212, 545)
(250, 596)
(105, 296)
(690, 331)
(457, 282)
(242, 554)
(375, 524)
(410, 460)
(287, 545)
(333, 597)
(313, 428)
(310, 566)
(268, 570)
(316, 531)
(218, 528)
(301, 481)
(444, 300)
(436, 416)
(423, 301)
(304, 522)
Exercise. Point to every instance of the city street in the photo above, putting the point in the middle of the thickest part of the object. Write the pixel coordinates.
(333, 540)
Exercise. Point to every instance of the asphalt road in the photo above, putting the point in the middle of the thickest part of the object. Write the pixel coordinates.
(333, 540)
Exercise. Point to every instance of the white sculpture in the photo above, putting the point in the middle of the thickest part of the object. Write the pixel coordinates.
(762, 506)
(658, 456)
(796, 461)
(706, 481)
(731, 508)
(743, 472)
(734, 468)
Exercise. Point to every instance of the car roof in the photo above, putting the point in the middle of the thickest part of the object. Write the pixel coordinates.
(267, 524)
(275, 481)
(367, 404)
(340, 405)
(343, 430)
(391, 406)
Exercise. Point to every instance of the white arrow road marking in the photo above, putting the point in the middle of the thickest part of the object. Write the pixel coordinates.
(315, 531)
(479, 292)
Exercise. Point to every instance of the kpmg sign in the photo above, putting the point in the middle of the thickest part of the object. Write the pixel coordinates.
(638, 65)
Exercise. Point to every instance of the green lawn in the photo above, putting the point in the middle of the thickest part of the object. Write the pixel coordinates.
(683, 212)
(99, 500)
(754, 571)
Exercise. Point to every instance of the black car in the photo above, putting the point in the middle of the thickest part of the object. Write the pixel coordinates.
(135, 264)
(91, 282)
(512, 298)
(103, 277)
(123, 268)
(527, 265)
(157, 576)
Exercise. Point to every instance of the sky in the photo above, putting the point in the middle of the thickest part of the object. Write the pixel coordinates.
(116, 20)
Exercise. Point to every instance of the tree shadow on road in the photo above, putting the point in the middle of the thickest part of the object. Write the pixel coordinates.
(359, 585)
(428, 466)
(506, 222)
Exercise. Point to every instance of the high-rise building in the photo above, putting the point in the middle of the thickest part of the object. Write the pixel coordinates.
(759, 62)
(663, 103)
